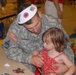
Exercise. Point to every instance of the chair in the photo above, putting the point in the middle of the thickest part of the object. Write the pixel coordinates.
(1, 30)
(73, 36)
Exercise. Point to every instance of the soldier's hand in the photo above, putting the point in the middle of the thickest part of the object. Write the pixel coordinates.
(61, 69)
(37, 61)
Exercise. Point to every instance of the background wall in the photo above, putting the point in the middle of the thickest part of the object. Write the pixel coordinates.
(8, 1)
(69, 18)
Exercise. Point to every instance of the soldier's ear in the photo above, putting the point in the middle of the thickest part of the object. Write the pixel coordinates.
(40, 14)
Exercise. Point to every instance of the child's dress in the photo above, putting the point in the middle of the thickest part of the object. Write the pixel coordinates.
(48, 62)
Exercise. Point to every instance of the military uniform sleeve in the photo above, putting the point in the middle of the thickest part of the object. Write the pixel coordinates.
(14, 47)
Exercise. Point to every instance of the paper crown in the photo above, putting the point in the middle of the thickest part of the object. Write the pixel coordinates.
(27, 14)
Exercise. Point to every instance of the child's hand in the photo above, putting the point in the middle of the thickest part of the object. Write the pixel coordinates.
(37, 61)
(51, 74)
(36, 52)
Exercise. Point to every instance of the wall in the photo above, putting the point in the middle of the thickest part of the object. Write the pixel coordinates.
(8, 1)
(69, 18)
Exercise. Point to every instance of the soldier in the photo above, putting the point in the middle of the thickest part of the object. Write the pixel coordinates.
(24, 36)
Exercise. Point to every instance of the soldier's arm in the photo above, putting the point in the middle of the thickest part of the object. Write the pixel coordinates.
(14, 47)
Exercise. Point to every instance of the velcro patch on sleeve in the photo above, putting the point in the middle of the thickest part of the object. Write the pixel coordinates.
(13, 36)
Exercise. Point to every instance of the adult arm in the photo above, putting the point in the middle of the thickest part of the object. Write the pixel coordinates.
(59, 12)
(15, 47)
(20, 45)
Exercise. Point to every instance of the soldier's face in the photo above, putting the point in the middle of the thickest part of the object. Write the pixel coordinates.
(36, 25)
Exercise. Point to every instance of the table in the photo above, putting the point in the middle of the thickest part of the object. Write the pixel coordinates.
(13, 65)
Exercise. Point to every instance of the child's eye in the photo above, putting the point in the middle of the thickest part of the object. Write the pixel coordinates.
(47, 42)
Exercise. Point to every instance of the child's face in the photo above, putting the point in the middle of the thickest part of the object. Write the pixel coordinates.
(48, 45)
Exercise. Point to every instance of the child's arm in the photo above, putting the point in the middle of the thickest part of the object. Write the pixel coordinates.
(69, 64)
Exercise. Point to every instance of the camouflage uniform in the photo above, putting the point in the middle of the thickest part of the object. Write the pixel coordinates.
(20, 43)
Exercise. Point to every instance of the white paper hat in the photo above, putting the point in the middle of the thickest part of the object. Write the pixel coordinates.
(27, 14)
